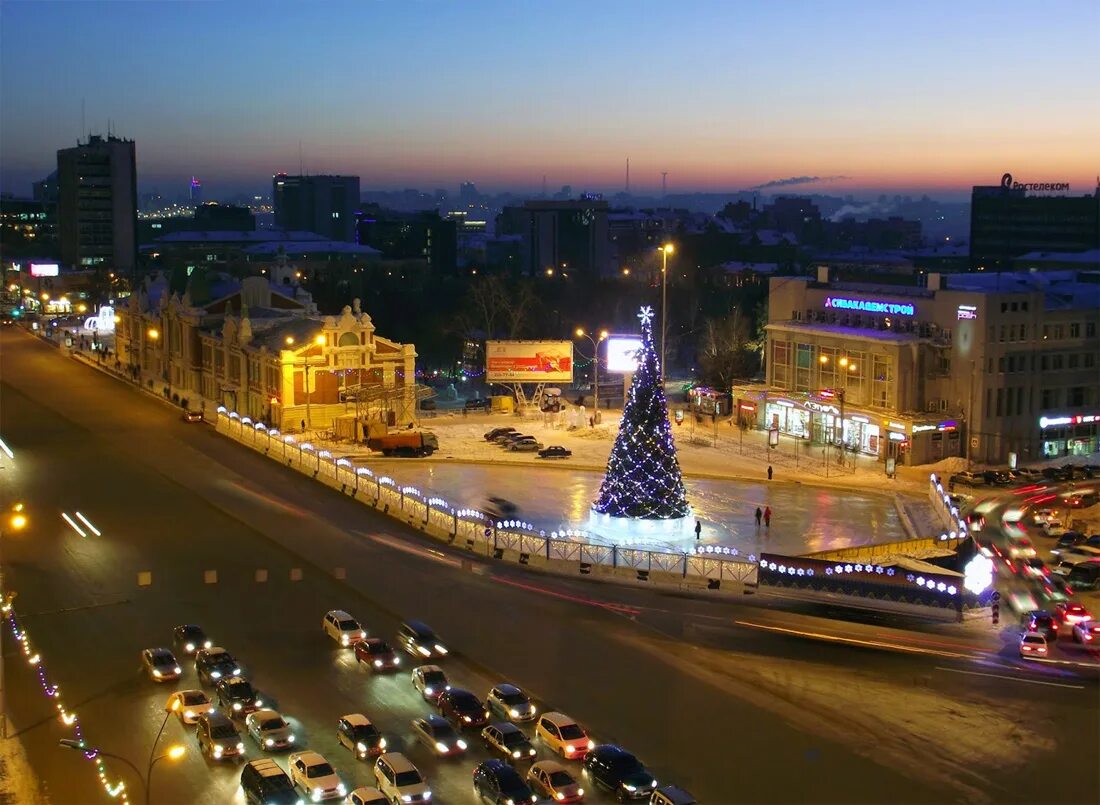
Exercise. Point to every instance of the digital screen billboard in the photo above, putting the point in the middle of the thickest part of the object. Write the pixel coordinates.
(622, 353)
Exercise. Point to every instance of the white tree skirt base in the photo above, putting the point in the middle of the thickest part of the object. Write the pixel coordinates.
(636, 531)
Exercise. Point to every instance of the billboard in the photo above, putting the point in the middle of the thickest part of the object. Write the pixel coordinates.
(529, 361)
(44, 269)
(622, 353)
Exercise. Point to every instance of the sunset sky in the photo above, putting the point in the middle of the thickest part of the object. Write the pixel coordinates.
(932, 96)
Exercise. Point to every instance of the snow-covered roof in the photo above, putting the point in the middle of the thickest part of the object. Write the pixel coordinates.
(1090, 258)
(312, 247)
(773, 237)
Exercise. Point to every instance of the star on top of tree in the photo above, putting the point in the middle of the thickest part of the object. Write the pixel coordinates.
(646, 315)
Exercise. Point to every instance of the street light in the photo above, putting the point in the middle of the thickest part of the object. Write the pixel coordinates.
(595, 366)
(174, 752)
(289, 340)
(665, 251)
(153, 334)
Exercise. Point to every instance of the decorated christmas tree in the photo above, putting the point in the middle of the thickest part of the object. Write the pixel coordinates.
(643, 478)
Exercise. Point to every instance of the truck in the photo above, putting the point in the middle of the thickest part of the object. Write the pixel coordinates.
(407, 443)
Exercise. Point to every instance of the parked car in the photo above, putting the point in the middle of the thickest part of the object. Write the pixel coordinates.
(555, 451)
(996, 477)
(965, 479)
(497, 432)
(525, 446)
(477, 404)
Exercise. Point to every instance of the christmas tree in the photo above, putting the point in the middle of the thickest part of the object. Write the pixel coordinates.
(643, 478)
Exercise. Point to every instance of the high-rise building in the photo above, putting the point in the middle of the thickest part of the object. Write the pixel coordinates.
(322, 204)
(97, 203)
(195, 196)
(1007, 222)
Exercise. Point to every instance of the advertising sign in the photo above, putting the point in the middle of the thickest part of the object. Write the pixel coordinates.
(622, 353)
(529, 361)
(44, 269)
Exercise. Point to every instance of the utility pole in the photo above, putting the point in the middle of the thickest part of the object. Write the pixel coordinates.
(970, 413)
(666, 250)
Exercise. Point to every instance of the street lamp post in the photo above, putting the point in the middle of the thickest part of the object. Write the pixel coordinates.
(16, 520)
(665, 250)
(595, 366)
(174, 753)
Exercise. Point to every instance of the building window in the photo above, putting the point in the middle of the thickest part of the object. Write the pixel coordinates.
(1056, 362)
(1001, 365)
(1023, 332)
(1048, 398)
(1090, 360)
(1090, 329)
(1071, 360)
(1004, 307)
(1014, 307)
(1075, 330)
(1000, 402)
(1002, 338)
(1023, 306)
(1077, 396)
(1044, 362)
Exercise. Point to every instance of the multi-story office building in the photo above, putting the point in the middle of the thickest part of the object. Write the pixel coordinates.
(977, 365)
(322, 204)
(565, 236)
(1006, 222)
(410, 236)
(97, 203)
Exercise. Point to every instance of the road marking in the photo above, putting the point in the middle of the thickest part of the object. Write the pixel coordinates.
(1011, 678)
(6, 449)
(853, 641)
(73, 525)
(88, 523)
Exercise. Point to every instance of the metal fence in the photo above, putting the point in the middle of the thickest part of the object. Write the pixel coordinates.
(470, 529)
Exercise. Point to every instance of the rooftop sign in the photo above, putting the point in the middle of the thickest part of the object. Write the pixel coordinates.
(1035, 187)
(871, 306)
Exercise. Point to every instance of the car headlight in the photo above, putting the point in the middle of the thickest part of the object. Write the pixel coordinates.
(207, 644)
(237, 706)
(396, 660)
(406, 798)
(156, 673)
(424, 651)
(215, 674)
(179, 670)
(341, 789)
(509, 801)
(440, 746)
(429, 692)
(377, 663)
(580, 792)
(514, 713)
(236, 672)
(212, 709)
(362, 747)
(269, 742)
(316, 795)
(467, 719)
(259, 703)
(218, 751)
(344, 639)
(290, 738)
(381, 743)
(531, 752)
(188, 714)
(630, 788)
(515, 753)
(559, 795)
(363, 635)
(190, 647)
(461, 744)
(591, 745)
(440, 649)
(240, 747)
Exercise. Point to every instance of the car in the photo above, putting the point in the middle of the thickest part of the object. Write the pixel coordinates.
(671, 795)
(965, 479)
(419, 640)
(1032, 644)
(211, 664)
(269, 730)
(1067, 540)
(367, 795)
(427, 405)
(1051, 528)
(356, 732)
(1042, 622)
(399, 780)
(1071, 612)
(1093, 541)
(1034, 568)
(507, 740)
(188, 705)
(511, 702)
(1054, 589)
(237, 697)
(500, 784)
(554, 782)
(218, 738)
(192, 416)
(160, 664)
(511, 438)
(430, 681)
(438, 735)
(376, 654)
(996, 477)
(619, 772)
(525, 446)
(555, 451)
(342, 627)
(476, 404)
(496, 432)
(264, 783)
(189, 638)
(563, 736)
(314, 777)
(495, 508)
(1082, 576)
(463, 709)
(1087, 633)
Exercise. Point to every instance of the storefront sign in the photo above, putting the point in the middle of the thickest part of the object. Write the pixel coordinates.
(897, 437)
(897, 425)
(870, 306)
(948, 425)
(967, 312)
(1081, 419)
(751, 407)
(822, 409)
(862, 419)
(923, 428)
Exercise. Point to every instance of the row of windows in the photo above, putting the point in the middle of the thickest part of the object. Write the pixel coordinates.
(1021, 400)
(1010, 364)
(1013, 306)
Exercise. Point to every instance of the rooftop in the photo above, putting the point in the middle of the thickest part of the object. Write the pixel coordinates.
(853, 333)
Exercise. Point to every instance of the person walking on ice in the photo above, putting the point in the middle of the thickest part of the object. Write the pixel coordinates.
(767, 517)
(759, 514)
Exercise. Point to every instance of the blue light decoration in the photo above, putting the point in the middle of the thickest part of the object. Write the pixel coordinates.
(871, 306)
(643, 480)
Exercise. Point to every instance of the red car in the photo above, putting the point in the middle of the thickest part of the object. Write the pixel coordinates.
(463, 709)
(376, 654)
(1072, 612)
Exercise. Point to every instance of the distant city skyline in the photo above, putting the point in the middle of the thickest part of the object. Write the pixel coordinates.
(724, 97)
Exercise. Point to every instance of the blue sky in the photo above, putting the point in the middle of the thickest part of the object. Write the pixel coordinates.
(722, 95)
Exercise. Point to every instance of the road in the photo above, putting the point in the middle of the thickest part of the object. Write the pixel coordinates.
(666, 676)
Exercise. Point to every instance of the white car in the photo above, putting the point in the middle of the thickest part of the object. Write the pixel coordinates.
(342, 627)
(399, 780)
(189, 705)
(1052, 528)
(511, 703)
(553, 781)
(366, 795)
(160, 664)
(315, 777)
(269, 730)
(1033, 645)
(563, 735)
(430, 681)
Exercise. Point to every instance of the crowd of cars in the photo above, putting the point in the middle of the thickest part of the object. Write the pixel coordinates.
(1024, 475)
(511, 439)
(514, 774)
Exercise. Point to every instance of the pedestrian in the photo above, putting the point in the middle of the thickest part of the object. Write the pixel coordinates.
(767, 517)
(303, 426)
(769, 472)
(759, 514)
(698, 529)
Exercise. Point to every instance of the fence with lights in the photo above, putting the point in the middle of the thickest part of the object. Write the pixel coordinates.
(473, 530)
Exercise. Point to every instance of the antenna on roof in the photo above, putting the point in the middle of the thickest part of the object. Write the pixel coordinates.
(301, 169)
(84, 128)
(628, 175)
(664, 183)
(544, 185)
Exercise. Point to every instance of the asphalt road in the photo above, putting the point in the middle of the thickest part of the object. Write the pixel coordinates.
(177, 500)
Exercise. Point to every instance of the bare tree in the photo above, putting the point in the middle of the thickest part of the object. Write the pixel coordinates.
(496, 308)
(727, 352)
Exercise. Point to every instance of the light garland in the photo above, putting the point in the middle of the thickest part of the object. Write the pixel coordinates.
(643, 479)
(53, 692)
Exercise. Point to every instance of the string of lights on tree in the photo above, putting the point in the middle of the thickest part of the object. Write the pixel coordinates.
(643, 477)
(53, 693)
